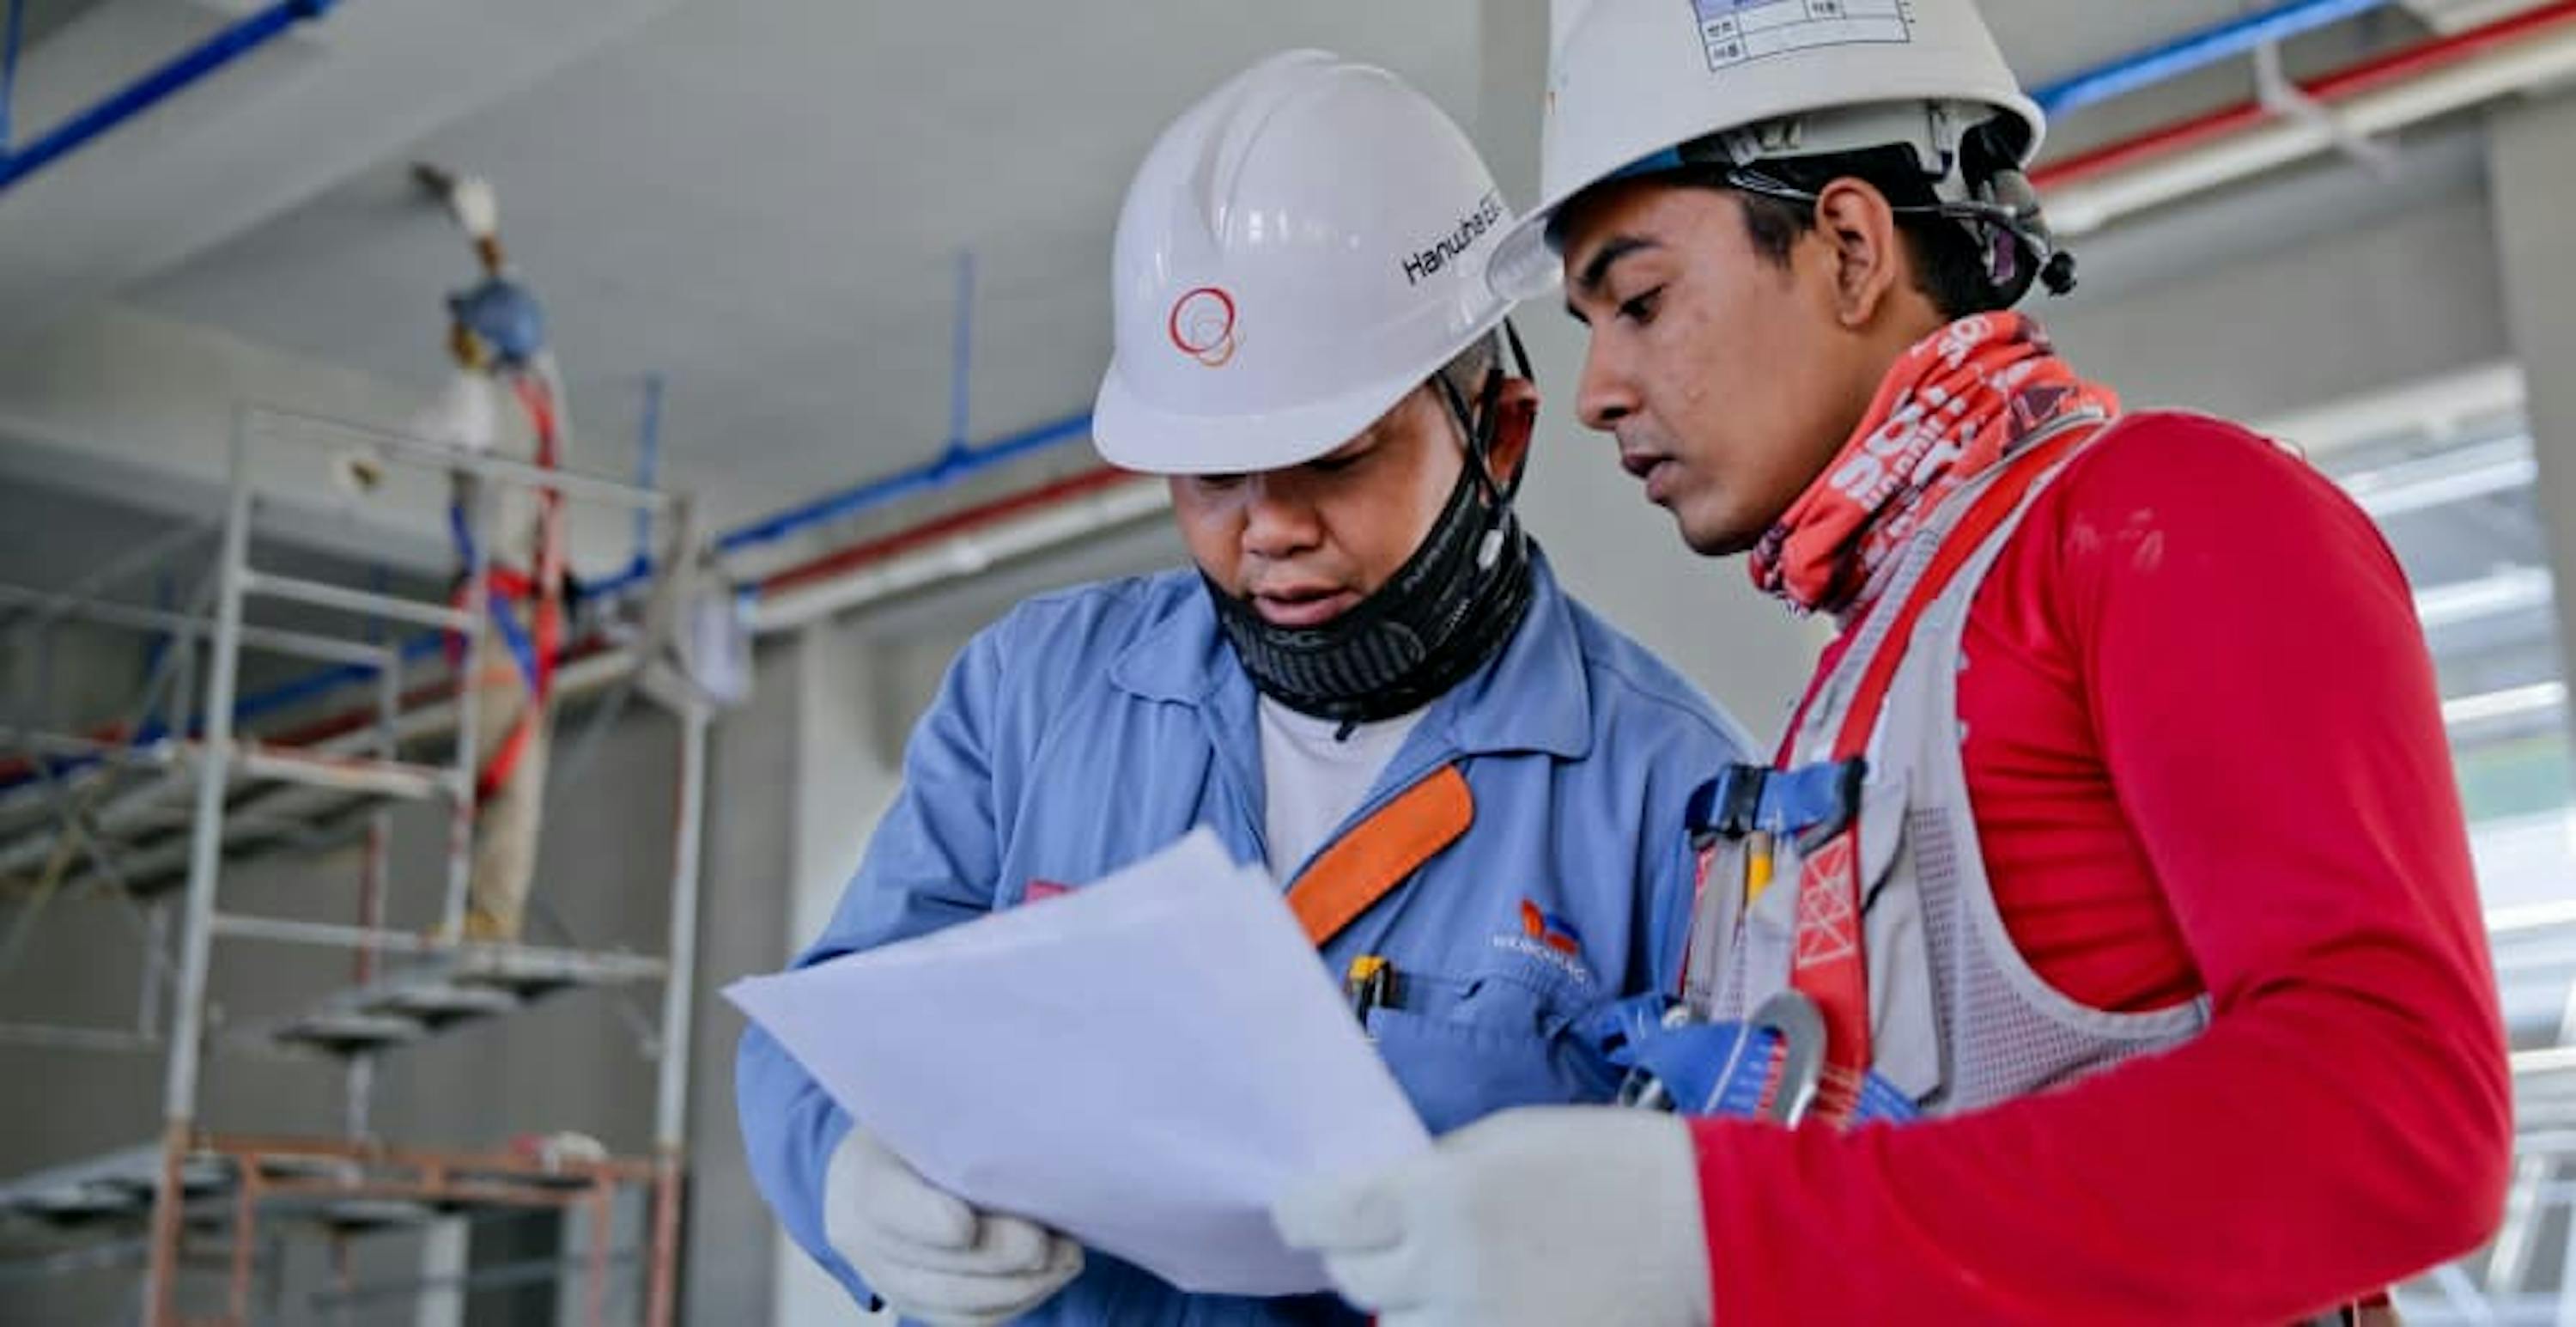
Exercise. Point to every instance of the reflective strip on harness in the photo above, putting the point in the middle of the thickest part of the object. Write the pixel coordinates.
(505, 760)
(1380, 852)
(537, 394)
(532, 666)
(536, 647)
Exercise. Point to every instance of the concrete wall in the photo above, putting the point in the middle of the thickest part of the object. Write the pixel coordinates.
(2533, 157)
(842, 784)
(753, 820)
(2389, 299)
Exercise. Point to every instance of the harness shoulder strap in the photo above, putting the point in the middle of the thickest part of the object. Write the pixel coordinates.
(1829, 966)
(1988, 513)
(1380, 852)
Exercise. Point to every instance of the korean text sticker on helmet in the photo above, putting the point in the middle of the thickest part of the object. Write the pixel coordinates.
(1735, 31)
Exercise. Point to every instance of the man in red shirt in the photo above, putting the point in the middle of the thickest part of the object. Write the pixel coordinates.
(2115, 849)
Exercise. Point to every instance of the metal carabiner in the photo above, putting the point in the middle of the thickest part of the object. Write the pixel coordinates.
(1794, 1018)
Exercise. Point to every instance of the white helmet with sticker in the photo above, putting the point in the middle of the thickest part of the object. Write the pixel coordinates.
(1632, 81)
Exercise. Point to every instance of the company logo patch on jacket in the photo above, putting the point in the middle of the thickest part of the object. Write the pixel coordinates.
(1548, 938)
(1551, 930)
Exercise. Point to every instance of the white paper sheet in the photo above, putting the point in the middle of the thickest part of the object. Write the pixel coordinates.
(1144, 1064)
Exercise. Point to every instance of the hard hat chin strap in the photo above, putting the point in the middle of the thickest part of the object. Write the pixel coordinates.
(1480, 426)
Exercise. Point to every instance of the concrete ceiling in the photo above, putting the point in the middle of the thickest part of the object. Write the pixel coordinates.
(39, 19)
(764, 199)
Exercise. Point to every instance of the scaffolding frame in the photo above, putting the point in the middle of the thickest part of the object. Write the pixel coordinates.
(285, 1170)
(221, 769)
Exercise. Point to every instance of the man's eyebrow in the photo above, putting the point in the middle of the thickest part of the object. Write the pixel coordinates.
(1597, 268)
(1369, 440)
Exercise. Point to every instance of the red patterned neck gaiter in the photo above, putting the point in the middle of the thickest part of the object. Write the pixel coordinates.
(1955, 405)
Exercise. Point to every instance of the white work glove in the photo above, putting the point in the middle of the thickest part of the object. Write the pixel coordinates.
(474, 207)
(1540, 1216)
(927, 1253)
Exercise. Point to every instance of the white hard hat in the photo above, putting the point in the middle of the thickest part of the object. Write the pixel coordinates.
(1631, 80)
(1300, 249)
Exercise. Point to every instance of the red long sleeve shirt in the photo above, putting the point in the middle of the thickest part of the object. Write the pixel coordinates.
(2204, 754)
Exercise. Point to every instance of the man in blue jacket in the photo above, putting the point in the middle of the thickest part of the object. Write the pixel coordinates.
(1473, 788)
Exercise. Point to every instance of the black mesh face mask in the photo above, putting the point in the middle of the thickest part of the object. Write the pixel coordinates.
(1452, 605)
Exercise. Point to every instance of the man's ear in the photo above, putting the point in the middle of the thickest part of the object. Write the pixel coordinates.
(1856, 220)
(1515, 422)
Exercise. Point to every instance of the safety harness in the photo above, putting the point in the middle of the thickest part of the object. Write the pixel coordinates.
(535, 648)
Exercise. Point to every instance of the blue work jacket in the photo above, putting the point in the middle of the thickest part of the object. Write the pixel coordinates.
(1090, 728)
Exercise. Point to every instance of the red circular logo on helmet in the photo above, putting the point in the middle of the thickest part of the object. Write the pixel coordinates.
(1202, 326)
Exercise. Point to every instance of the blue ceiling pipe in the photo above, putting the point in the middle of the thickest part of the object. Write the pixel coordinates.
(124, 104)
(951, 465)
(2195, 51)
